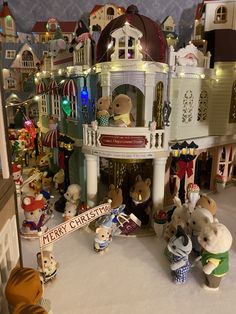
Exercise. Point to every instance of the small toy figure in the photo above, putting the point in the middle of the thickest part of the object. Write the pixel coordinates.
(73, 194)
(25, 288)
(34, 215)
(103, 238)
(82, 34)
(58, 180)
(193, 195)
(207, 202)
(199, 218)
(180, 247)
(216, 241)
(166, 113)
(17, 175)
(103, 105)
(50, 265)
(70, 211)
(140, 200)
(121, 110)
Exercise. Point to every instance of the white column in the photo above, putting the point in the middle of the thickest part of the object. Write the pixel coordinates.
(158, 186)
(106, 83)
(92, 179)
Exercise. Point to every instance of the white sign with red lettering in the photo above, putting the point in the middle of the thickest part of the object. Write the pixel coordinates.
(73, 224)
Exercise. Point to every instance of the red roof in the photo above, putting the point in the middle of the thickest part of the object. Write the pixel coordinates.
(66, 27)
(198, 14)
(6, 11)
(99, 6)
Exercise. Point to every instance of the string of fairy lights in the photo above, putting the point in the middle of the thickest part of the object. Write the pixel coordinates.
(66, 72)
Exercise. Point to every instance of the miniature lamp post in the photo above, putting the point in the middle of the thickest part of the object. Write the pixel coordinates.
(185, 154)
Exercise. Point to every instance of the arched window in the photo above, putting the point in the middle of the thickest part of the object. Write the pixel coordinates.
(232, 112)
(187, 114)
(110, 13)
(27, 59)
(221, 14)
(202, 106)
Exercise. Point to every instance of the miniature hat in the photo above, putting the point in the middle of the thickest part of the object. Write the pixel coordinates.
(192, 187)
(16, 168)
(30, 203)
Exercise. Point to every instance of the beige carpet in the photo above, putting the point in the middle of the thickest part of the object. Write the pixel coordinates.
(134, 276)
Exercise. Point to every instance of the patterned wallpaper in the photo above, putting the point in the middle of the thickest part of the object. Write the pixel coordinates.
(27, 12)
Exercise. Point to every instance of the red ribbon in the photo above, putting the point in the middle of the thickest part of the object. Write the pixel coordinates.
(184, 167)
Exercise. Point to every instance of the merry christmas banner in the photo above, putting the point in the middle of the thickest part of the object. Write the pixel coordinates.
(73, 224)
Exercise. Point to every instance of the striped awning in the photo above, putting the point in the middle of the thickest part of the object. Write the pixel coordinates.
(69, 88)
(50, 139)
(53, 88)
(41, 88)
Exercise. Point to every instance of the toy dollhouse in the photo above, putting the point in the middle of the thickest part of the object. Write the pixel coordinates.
(7, 25)
(132, 61)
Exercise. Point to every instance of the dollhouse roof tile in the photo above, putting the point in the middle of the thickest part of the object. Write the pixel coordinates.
(153, 42)
(66, 27)
(5, 11)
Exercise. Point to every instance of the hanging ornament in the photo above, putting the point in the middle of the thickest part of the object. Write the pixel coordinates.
(65, 103)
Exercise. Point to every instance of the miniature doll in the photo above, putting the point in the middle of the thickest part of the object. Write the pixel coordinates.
(180, 246)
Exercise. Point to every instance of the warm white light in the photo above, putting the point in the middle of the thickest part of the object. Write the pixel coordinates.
(36, 98)
(63, 81)
(110, 45)
(181, 74)
(217, 80)
(60, 71)
(202, 76)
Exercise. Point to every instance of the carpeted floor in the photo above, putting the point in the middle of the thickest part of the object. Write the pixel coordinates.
(133, 276)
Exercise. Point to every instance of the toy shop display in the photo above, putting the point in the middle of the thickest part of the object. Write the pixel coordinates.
(25, 289)
(180, 246)
(216, 241)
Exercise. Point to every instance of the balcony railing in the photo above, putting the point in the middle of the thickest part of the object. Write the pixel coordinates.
(130, 142)
(27, 64)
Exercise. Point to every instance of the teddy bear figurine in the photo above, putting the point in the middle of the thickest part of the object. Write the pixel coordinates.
(179, 247)
(103, 238)
(216, 241)
(47, 264)
(73, 194)
(24, 289)
(121, 110)
(34, 215)
(103, 105)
